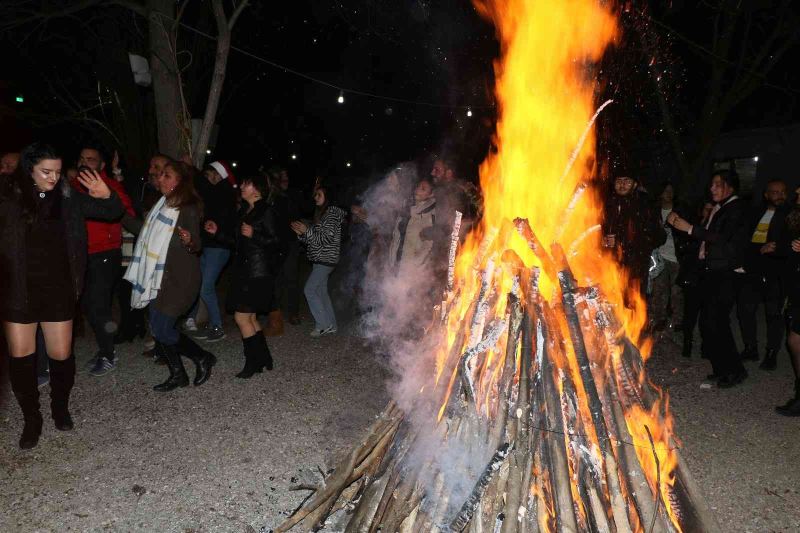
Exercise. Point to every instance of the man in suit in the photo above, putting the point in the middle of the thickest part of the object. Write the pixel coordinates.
(721, 254)
(765, 261)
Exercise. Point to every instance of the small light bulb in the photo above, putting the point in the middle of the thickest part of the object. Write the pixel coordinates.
(208, 151)
(341, 97)
(294, 156)
(469, 112)
(348, 164)
(233, 164)
(755, 159)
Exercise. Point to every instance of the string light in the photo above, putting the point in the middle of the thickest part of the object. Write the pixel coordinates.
(755, 159)
(469, 112)
(341, 97)
(233, 164)
(294, 156)
(208, 151)
(348, 165)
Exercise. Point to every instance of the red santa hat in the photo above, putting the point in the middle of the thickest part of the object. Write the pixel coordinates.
(224, 170)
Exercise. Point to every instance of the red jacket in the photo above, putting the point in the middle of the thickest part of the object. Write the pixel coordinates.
(104, 236)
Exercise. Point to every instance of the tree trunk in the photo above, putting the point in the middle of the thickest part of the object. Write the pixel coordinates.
(218, 78)
(170, 117)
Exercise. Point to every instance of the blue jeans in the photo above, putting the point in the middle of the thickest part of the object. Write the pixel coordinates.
(212, 261)
(163, 327)
(319, 301)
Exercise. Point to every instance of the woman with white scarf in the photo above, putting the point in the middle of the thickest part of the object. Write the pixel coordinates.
(165, 272)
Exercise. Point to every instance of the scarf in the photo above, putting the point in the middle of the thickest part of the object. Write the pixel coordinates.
(150, 254)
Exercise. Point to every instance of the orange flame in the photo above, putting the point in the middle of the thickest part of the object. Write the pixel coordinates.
(544, 170)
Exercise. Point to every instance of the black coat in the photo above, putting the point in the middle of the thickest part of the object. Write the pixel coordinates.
(76, 207)
(767, 264)
(260, 255)
(636, 225)
(725, 238)
(219, 205)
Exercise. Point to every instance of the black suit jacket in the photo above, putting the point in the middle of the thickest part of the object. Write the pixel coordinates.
(773, 263)
(726, 237)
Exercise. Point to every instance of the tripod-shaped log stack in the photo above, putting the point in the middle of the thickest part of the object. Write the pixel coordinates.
(543, 465)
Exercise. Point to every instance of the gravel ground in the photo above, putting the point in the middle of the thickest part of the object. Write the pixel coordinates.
(222, 457)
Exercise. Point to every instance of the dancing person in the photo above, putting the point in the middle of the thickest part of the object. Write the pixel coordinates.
(410, 250)
(165, 273)
(259, 253)
(792, 407)
(103, 266)
(762, 282)
(216, 188)
(42, 262)
(323, 238)
(721, 253)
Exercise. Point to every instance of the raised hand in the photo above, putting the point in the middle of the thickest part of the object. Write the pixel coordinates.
(211, 227)
(298, 227)
(94, 184)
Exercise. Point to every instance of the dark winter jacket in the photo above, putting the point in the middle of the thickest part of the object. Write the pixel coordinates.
(726, 237)
(766, 264)
(76, 207)
(181, 282)
(636, 226)
(262, 254)
(219, 205)
(324, 238)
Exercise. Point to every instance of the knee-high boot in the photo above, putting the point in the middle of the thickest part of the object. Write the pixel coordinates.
(251, 359)
(22, 374)
(264, 357)
(177, 374)
(62, 378)
(203, 361)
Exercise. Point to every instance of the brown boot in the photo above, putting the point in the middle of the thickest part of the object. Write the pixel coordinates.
(274, 324)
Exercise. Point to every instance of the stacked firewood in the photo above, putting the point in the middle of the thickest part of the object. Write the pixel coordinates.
(558, 451)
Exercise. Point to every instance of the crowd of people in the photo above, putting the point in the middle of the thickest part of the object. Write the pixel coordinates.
(71, 247)
(694, 266)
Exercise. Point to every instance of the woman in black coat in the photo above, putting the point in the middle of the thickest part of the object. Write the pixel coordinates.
(42, 261)
(259, 251)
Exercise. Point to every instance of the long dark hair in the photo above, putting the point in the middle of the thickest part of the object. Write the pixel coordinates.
(319, 210)
(22, 186)
(184, 193)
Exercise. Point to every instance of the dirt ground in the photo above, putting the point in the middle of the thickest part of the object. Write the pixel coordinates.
(222, 457)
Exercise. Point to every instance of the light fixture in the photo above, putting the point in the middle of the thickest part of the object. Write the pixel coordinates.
(294, 156)
(341, 97)
(19, 99)
(755, 159)
(469, 112)
(208, 151)
(233, 164)
(348, 164)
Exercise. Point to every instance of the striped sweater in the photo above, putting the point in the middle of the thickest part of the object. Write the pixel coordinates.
(324, 239)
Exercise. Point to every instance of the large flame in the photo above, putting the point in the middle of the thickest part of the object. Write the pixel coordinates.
(544, 170)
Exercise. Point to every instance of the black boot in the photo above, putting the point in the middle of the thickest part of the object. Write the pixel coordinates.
(252, 361)
(792, 407)
(22, 374)
(62, 378)
(687, 347)
(770, 361)
(264, 356)
(750, 353)
(203, 361)
(177, 374)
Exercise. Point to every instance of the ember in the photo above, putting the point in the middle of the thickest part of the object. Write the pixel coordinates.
(536, 414)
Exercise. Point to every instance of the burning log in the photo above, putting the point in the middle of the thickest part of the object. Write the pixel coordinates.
(549, 443)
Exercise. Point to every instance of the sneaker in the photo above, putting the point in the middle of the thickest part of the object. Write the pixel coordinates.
(150, 343)
(319, 332)
(190, 325)
(91, 363)
(200, 333)
(316, 332)
(215, 333)
(103, 366)
(330, 330)
(43, 379)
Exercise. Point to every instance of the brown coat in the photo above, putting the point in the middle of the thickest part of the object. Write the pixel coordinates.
(180, 285)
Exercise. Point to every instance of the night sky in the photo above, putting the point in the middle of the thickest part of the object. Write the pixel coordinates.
(435, 56)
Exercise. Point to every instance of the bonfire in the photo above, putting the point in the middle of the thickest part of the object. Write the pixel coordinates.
(534, 412)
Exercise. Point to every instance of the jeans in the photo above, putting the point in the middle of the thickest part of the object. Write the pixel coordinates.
(163, 327)
(212, 261)
(102, 271)
(319, 301)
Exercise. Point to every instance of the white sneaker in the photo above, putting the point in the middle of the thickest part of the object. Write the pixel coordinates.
(330, 331)
(190, 325)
